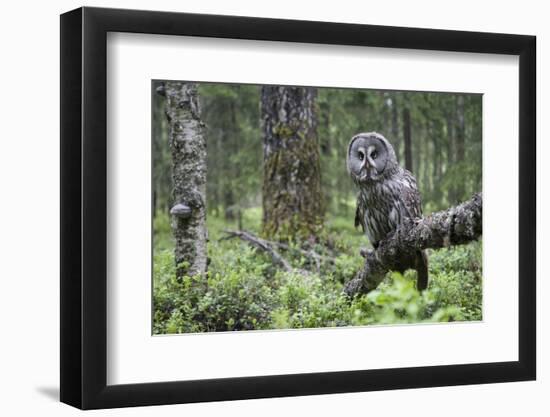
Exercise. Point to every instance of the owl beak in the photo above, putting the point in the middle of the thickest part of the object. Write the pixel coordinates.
(364, 170)
(365, 166)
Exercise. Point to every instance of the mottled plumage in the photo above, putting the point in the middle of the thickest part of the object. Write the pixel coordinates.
(387, 195)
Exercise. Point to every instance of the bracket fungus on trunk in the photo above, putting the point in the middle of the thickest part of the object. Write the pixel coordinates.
(183, 211)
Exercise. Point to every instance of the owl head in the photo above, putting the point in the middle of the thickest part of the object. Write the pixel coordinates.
(370, 157)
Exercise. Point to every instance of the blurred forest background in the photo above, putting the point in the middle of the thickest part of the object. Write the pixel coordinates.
(437, 136)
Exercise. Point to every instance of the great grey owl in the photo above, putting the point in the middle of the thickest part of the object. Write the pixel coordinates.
(387, 195)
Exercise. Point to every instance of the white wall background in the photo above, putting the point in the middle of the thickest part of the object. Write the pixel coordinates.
(29, 219)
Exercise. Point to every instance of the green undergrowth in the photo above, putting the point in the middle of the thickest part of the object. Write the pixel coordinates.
(244, 291)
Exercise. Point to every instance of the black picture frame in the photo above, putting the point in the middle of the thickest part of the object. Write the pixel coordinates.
(84, 207)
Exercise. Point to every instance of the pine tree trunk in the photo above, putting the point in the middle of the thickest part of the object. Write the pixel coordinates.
(451, 193)
(188, 147)
(395, 126)
(161, 152)
(236, 167)
(292, 202)
(424, 160)
(436, 136)
(226, 165)
(460, 142)
(407, 139)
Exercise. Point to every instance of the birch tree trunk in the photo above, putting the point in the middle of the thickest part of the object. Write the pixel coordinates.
(188, 147)
(292, 202)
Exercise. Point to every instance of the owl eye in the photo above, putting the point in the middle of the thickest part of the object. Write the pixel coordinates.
(361, 155)
(374, 154)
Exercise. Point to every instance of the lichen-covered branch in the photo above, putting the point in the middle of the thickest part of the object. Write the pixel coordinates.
(454, 226)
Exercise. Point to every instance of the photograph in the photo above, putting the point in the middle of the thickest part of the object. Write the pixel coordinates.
(296, 207)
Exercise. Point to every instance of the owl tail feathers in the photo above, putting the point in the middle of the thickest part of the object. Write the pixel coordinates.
(421, 270)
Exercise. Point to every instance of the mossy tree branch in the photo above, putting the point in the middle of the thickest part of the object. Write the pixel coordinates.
(454, 226)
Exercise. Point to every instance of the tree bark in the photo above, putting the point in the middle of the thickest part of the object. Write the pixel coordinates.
(162, 181)
(437, 173)
(395, 126)
(188, 147)
(451, 193)
(292, 201)
(228, 142)
(236, 167)
(460, 141)
(407, 139)
(454, 226)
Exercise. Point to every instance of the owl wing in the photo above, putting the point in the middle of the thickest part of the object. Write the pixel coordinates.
(360, 214)
(410, 196)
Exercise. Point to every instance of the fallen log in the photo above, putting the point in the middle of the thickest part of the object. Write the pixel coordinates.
(454, 226)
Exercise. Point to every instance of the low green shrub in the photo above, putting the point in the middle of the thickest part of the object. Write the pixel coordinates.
(244, 291)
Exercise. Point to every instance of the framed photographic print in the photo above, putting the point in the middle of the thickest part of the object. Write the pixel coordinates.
(256, 208)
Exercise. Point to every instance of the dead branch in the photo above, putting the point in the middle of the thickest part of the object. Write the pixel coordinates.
(317, 258)
(271, 248)
(454, 226)
(261, 244)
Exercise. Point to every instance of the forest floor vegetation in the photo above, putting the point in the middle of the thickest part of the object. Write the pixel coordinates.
(244, 290)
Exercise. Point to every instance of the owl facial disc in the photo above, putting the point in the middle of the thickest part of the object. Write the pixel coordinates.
(369, 157)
